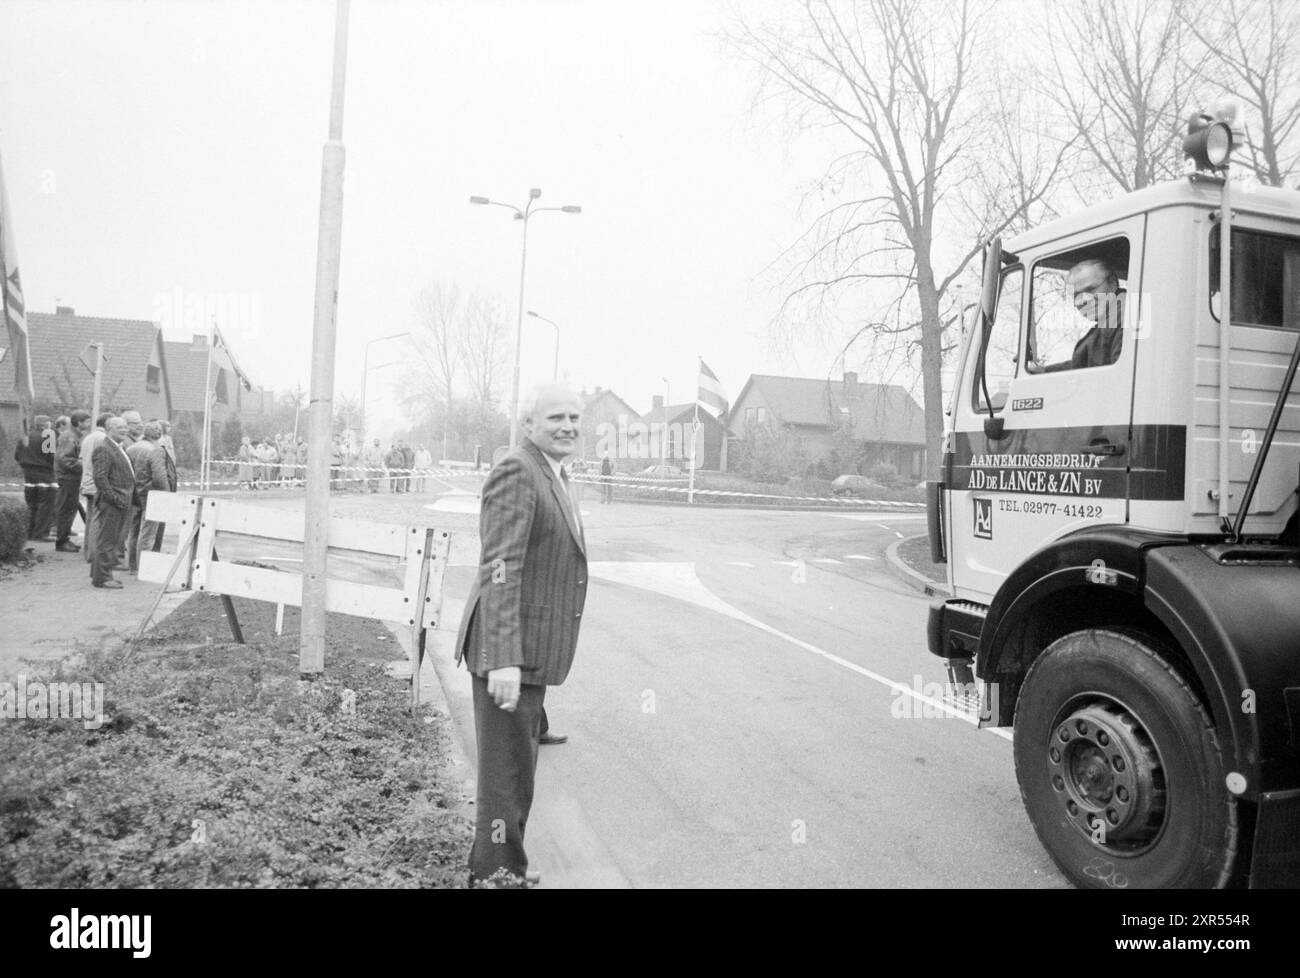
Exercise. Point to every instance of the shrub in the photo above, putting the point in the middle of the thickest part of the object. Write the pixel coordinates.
(13, 527)
(884, 473)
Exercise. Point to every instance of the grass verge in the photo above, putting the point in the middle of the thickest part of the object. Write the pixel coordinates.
(215, 766)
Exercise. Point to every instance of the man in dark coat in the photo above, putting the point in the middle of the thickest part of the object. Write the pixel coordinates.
(520, 628)
(154, 470)
(114, 497)
(67, 470)
(35, 454)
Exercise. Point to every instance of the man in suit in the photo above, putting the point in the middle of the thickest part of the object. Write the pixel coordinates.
(88, 446)
(520, 628)
(114, 497)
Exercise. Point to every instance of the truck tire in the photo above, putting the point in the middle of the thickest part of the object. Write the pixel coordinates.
(1119, 767)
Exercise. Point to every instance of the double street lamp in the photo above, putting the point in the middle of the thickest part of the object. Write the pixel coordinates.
(522, 214)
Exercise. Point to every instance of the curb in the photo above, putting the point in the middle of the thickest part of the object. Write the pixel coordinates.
(910, 577)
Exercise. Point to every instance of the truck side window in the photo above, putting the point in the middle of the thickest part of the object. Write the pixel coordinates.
(1259, 279)
(1000, 357)
(1077, 308)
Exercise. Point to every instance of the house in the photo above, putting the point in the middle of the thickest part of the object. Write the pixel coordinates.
(604, 414)
(135, 371)
(669, 431)
(189, 364)
(882, 421)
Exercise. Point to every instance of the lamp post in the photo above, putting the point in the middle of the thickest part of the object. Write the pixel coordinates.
(522, 214)
(663, 432)
(365, 369)
(555, 371)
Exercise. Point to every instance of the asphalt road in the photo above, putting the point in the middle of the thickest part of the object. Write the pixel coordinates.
(748, 708)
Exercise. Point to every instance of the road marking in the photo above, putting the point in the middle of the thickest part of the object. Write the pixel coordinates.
(827, 560)
(897, 534)
(787, 563)
(740, 563)
(883, 527)
(679, 580)
(455, 503)
(858, 557)
(872, 517)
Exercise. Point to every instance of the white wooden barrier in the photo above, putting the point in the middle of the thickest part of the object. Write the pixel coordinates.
(405, 564)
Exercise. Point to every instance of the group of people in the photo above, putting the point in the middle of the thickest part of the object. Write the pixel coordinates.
(104, 474)
(282, 460)
(276, 459)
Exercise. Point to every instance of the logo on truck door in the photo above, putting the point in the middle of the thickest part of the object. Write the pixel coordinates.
(983, 518)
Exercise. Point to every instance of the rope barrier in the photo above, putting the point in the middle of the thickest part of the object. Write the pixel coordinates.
(369, 474)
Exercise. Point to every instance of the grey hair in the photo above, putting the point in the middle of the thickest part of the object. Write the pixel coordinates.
(528, 403)
(152, 430)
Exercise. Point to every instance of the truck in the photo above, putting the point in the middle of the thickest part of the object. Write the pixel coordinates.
(1117, 512)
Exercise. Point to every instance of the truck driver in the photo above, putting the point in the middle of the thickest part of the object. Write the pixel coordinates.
(1094, 288)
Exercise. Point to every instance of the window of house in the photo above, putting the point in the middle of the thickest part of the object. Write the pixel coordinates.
(1078, 304)
(750, 415)
(222, 396)
(998, 358)
(1265, 278)
(153, 379)
(762, 416)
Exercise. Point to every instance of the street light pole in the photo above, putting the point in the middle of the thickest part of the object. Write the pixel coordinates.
(365, 370)
(555, 371)
(663, 432)
(522, 214)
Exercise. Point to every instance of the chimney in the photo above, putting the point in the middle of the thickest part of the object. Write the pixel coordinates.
(657, 404)
(64, 311)
(200, 341)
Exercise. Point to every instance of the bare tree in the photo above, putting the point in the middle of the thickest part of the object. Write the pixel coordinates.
(347, 408)
(438, 312)
(912, 85)
(1251, 48)
(1121, 79)
(486, 347)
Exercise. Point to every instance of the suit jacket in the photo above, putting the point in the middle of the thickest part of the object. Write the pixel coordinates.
(525, 605)
(114, 476)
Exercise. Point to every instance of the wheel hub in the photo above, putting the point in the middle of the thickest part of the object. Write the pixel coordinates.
(1107, 776)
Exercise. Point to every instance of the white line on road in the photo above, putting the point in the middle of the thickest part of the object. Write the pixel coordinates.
(678, 580)
(897, 534)
(826, 560)
(858, 557)
(740, 563)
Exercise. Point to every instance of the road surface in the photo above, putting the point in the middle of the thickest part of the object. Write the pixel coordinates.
(748, 708)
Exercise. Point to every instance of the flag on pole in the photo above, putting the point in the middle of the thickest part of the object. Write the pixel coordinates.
(219, 343)
(711, 395)
(11, 302)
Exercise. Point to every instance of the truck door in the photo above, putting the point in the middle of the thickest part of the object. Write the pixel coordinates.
(1058, 368)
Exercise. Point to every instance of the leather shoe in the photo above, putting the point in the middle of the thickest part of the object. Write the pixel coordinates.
(116, 585)
(552, 738)
(67, 548)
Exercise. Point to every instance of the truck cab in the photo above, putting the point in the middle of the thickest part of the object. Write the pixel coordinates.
(1117, 513)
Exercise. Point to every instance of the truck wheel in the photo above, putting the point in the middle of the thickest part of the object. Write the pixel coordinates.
(1119, 768)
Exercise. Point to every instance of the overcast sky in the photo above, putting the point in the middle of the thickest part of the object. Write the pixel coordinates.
(162, 150)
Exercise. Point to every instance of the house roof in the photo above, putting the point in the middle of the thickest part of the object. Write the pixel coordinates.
(878, 412)
(683, 413)
(591, 397)
(188, 367)
(56, 341)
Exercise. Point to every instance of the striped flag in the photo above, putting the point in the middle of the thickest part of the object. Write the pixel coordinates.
(711, 396)
(13, 310)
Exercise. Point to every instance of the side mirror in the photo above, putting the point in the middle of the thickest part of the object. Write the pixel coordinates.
(993, 428)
